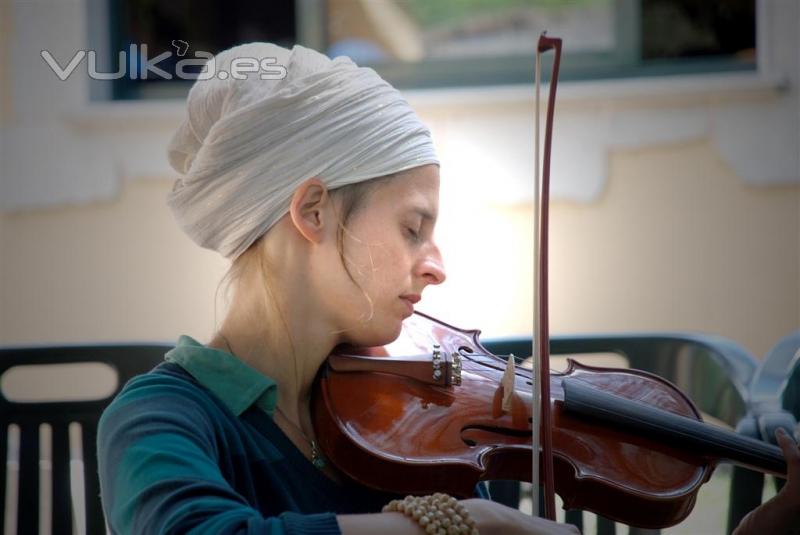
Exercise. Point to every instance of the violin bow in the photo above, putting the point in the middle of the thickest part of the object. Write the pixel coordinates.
(541, 342)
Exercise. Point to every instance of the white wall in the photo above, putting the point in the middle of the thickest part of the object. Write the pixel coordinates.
(675, 206)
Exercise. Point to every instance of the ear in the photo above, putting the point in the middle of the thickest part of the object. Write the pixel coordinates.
(311, 209)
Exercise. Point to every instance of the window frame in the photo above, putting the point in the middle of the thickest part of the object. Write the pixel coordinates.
(619, 63)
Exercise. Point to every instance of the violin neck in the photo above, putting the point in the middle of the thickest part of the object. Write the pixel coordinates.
(680, 431)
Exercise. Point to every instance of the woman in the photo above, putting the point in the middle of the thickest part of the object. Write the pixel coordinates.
(322, 187)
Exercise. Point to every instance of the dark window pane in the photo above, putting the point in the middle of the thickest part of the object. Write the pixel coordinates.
(691, 29)
(205, 25)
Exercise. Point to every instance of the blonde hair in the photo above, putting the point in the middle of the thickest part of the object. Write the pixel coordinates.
(351, 199)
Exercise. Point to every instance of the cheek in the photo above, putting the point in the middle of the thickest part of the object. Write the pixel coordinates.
(372, 263)
(377, 258)
(389, 275)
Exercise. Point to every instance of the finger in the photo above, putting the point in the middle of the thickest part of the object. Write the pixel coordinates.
(785, 439)
(790, 448)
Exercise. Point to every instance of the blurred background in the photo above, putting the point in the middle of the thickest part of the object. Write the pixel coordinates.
(675, 174)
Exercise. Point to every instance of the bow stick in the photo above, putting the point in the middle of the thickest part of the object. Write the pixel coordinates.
(541, 342)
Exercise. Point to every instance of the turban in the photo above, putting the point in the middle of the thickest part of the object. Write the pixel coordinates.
(249, 140)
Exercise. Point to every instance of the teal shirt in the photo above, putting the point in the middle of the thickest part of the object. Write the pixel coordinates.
(191, 447)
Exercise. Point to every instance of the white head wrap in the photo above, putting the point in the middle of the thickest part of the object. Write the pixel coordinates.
(246, 144)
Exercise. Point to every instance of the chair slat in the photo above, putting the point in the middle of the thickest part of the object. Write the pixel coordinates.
(95, 523)
(28, 502)
(62, 510)
(3, 473)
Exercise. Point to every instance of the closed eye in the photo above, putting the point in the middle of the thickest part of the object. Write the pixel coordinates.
(413, 233)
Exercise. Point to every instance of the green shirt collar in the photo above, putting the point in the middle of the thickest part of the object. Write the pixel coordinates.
(231, 380)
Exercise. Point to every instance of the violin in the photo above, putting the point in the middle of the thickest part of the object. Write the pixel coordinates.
(436, 412)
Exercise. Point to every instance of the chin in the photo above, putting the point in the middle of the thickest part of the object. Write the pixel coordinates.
(373, 335)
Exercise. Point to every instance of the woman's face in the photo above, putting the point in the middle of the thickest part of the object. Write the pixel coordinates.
(389, 250)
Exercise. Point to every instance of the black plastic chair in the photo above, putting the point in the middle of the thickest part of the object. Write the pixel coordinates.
(774, 396)
(127, 361)
(713, 371)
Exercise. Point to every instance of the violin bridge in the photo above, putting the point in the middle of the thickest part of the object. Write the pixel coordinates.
(508, 383)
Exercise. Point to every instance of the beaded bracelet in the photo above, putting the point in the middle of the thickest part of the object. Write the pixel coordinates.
(438, 514)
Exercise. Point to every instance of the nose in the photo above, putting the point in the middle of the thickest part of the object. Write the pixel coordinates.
(431, 268)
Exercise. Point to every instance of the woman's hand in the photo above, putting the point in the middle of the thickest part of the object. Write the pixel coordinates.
(491, 518)
(781, 514)
(494, 518)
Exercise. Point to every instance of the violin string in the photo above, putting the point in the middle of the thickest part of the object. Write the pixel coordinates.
(522, 373)
(499, 362)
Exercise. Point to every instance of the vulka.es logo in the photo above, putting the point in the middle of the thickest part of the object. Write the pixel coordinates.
(136, 64)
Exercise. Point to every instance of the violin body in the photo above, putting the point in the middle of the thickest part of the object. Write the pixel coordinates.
(386, 422)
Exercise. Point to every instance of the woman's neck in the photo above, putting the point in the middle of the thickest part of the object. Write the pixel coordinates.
(277, 348)
(280, 329)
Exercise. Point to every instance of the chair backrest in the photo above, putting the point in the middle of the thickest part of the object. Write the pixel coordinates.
(774, 374)
(713, 371)
(39, 434)
(790, 389)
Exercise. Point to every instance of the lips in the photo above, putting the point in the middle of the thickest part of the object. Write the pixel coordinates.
(412, 298)
(409, 300)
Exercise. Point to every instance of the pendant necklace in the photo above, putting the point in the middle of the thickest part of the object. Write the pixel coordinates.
(316, 457)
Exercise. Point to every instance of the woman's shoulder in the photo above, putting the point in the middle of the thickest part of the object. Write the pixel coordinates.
(167, 392)
(165, 380)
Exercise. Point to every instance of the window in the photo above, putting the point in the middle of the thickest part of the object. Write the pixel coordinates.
(424, 43)
(419, 43)
(144, 29)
